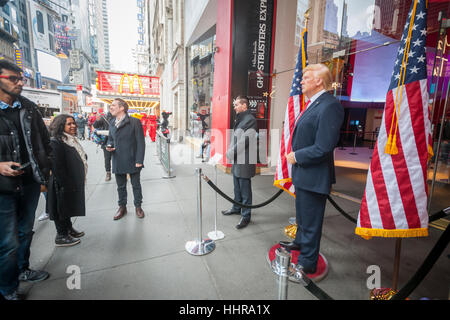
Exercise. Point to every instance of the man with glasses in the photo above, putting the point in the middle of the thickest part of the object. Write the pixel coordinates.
(24, 167)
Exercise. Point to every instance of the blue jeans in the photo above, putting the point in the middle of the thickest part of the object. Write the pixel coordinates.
(17, 213)
(243, 194)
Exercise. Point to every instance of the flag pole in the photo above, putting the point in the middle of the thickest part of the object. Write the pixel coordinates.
(398, 248)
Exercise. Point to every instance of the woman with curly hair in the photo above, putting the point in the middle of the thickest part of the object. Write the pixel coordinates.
(66, 196)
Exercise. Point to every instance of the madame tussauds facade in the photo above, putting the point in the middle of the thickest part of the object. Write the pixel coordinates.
(252, 51)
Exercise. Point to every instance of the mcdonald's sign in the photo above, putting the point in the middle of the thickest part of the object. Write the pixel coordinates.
(130, 83)
(125, 84)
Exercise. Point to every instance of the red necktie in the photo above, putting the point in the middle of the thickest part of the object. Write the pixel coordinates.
(301, 113)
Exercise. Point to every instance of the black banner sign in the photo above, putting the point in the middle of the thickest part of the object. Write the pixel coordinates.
(252, 54)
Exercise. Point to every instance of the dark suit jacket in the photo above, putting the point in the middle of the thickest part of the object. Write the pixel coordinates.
(313, 141)
(129, 142)
(242, 151)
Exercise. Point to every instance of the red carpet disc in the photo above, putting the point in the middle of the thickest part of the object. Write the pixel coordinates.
(322, 263)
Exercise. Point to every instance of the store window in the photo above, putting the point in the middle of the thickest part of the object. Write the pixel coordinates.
(358, 41)
(200, 86)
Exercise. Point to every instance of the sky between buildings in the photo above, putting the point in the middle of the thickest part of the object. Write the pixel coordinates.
(123, 36)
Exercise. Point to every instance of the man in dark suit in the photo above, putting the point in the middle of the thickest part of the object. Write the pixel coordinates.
(126, 141)
(242, 153)
(315, 136)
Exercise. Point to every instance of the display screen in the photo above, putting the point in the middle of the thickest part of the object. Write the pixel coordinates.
(49, 66)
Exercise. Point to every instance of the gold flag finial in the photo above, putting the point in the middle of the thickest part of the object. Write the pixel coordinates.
(306, 15)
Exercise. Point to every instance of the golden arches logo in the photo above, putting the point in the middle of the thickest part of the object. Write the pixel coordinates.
(130, 83)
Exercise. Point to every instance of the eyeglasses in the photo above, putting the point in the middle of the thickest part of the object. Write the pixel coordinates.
(14, 79)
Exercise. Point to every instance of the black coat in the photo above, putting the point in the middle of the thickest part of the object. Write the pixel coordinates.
(103, 124)
(313, 141)
(242, 151)
(37, 142)
(129, 142)
(66, 196)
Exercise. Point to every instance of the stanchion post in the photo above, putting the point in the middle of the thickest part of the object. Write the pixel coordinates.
(354, 144)
(199, 247)
(216, 234)
(169, 169)
(280, 266)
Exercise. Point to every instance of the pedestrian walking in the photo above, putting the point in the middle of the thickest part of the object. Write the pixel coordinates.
(24, 167)
(315, 135)
(152, 125)
(242, 153)
(66, 195)
(103, 124)
(126, 141)
(81, 124)
(92, 118)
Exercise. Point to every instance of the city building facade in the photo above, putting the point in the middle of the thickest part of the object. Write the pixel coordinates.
(167, 57)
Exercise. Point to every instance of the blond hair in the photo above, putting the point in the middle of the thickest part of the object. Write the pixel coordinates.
(320, 71)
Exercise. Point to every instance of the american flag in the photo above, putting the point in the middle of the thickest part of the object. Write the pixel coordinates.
(395, 198)
(295, 106)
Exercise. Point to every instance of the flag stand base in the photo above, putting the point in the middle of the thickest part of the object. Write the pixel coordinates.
(322, 263)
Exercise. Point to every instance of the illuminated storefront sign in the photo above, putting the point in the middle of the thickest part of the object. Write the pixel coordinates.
(130, 83)
(127, 84)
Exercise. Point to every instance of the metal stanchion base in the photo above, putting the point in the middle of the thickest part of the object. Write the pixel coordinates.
(170, 175)
(198, 248)
(216, 235)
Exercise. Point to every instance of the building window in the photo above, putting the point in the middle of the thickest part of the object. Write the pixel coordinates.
(6, 9)
(40, 22)
(50, 23)
(7, 25)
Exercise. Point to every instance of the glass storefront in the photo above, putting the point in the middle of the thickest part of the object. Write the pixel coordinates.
(200, 86)
(358, 41)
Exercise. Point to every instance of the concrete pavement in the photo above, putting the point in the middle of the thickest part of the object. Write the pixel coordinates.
(146, 259)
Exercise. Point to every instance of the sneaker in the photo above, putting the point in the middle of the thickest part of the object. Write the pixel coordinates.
(29, 275)
(15, 296)
(43, 216)
(66, 241)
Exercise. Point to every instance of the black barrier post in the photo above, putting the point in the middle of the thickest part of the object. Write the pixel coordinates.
(354, 143)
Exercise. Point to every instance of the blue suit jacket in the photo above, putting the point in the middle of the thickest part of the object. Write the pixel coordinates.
(313, 141)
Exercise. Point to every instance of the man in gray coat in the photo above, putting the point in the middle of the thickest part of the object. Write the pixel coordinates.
(126, 141)
(242, 154)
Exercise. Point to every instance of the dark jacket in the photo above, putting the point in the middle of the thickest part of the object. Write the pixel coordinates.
(313, 141)
(242, 151)
(129, 142)
(66, 196)
(37, 141)
(103, 124)
(81, 123)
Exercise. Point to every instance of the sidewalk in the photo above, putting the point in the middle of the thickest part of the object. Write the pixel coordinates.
(146, 259)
